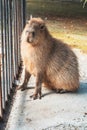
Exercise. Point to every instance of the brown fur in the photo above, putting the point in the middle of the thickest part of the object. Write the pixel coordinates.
(49, 59)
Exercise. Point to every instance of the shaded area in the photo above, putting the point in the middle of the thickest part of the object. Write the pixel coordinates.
(7, 111)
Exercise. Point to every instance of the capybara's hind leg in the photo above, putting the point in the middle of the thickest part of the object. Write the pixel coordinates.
(26, 79)
(61, 91)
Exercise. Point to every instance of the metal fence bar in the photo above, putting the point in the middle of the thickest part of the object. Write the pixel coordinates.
(3, 53)
(12, 20)
(8, 50)
(23, 7)
(10, 43)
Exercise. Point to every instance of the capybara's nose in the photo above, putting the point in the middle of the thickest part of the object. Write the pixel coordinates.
(31, 34)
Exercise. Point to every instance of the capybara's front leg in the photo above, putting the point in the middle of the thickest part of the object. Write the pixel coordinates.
(26, 79)
(37, 93)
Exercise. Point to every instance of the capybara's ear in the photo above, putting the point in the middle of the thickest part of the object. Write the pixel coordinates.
(31, 16)
(42, 26)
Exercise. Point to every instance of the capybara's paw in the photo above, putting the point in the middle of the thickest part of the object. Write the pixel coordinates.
(36, 96)
(18, 87)
(61, 91)
(22, 88)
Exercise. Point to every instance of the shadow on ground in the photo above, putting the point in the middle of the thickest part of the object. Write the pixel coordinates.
(83, 88)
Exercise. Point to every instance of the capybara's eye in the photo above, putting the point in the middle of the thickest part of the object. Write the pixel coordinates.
(33, 33)
(42, 27)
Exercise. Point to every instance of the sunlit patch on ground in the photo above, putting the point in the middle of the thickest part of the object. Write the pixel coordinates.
(71, 31)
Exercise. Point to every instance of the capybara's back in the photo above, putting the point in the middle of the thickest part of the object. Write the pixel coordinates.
(62, 70)
(50, 60)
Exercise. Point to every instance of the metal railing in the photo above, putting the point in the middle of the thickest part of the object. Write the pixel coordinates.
(12, 20)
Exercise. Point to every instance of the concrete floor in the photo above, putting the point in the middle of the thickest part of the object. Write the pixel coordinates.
(54, 111)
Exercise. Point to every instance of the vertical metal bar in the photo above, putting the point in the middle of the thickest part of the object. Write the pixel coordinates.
(23, 6)
(10, 40)
(10, 43)
(12, 21)
(0, 85)
(8, 50)
(2, 47)
(19, 26)
(14, 37)
(18, 19)
(0, 60)
(17, 30)
(0, 91)
(5, 50)
(7, 47)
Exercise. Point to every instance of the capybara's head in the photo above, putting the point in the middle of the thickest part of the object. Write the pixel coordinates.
(34, 31)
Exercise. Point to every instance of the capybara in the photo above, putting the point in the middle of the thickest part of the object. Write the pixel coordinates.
(49, 59)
